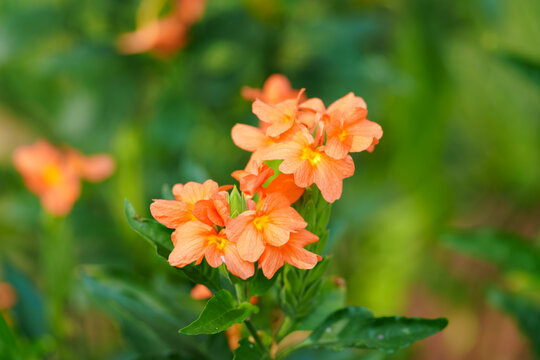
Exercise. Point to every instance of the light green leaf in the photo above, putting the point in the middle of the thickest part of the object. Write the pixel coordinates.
(220, 313)
(356, 327)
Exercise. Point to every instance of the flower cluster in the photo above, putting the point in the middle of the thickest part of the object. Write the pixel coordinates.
(55, 175)
(313, 144)
(312, 141)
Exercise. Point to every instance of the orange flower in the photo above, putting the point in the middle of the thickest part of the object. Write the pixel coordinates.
(55, 176)
(214, 211)
(200, 292)
(195, 240)
(8, 296)
(163, 36)
(174, 213)
(276, 89)
(284, 185)
(271, 223)
(348, 129)
(234, 334)
(310, 164)
(255, 140)
(252, 180)
(280, 117)
(292, 252)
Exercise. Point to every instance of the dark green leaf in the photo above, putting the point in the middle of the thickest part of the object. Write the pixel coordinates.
(248, 351)
(220, 313)
(29, 311)
(525, 311)
(356, 327)
(504, 250)
(258, 285)
(155, 233)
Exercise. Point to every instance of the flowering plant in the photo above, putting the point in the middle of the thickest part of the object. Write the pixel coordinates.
(265, 241)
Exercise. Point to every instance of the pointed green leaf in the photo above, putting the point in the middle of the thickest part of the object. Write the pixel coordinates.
(356, 327)
(220, 313)
(248, 351)
(155, 233)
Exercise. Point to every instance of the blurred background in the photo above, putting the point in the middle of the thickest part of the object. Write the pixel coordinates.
(454, 84)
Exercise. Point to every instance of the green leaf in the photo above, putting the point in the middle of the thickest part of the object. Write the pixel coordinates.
(148, 321)
(220, 313)
(356, 327)
(525, 311)
(248, 351)
(507, 251)
(9, 347)
(258, 285)
(155, 233)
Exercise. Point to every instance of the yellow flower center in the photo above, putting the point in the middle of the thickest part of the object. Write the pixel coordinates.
(313, 156)
(260, 222)
(52, 174)
(217, 240)
(342, 135)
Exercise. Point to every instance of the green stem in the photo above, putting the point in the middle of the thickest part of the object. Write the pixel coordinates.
(253, 333)
(240, 292)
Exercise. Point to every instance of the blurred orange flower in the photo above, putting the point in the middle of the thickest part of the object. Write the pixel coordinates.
(276, 89)
(200, 292)
(55, 175)
(163, 36)
(8, 296)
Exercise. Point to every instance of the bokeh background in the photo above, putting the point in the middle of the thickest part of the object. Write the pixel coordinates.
(454, 84)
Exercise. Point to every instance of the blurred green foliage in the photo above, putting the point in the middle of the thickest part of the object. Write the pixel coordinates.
(454, 84)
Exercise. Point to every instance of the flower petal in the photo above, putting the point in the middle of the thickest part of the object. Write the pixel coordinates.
(171, 213)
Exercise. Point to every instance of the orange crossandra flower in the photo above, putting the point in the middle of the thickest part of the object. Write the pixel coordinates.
(310, 164)
(55, 175)
(200, 292)
(195, 240)
(271, 223)
(252, 181)
(280, 117)
(276, 89)
(174, 213)
(255, 140)
(163, 36)
(293, 253)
